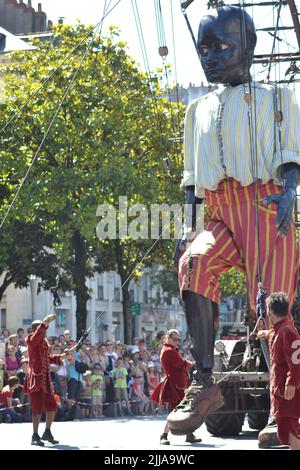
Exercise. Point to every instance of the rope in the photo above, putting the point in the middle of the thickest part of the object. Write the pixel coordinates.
(175, 66)
(146, 61)
(138, 265)
(69, 86)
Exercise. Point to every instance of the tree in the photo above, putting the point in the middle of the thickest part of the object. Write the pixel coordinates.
(24, 251)
(109, 139)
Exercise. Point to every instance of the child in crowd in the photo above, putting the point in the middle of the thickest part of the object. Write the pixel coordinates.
(120, 377)
(86, 395)
(2, 366)
(152, 381)
(6, 402)
(97, 384)
(139, 396)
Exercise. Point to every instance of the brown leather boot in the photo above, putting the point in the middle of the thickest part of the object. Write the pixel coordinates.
(201, 398)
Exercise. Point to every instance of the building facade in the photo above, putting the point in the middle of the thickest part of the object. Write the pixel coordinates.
(19, 307)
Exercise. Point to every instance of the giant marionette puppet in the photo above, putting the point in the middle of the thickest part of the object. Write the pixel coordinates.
(242, 154)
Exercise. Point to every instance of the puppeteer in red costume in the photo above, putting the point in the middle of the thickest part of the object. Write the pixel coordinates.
(171, 390)
(38, 384)
(176, 380)
(284, 342)
(38, 381)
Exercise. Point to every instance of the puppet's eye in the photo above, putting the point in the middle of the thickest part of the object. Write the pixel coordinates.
(203, 50)
(221, 46)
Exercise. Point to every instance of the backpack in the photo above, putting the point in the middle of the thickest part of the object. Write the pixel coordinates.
(81, 367)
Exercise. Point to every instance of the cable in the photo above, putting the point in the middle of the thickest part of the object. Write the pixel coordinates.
(131, 274)
(274, 40)
(50, 125)
(146, 62)
(175, 67)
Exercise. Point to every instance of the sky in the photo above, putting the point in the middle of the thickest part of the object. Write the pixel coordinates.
(188, 67)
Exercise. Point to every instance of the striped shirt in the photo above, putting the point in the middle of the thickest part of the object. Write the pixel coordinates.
(227, 137)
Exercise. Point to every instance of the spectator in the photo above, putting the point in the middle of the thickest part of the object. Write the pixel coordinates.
(5, 333)
(6, 401)
(155, 356)
(94, 357)
(138, 367)
(97, 383)
(60, 372)
(110, 353)
(14, 341)
(102, 350)
(2, 370)
(12, 361)
(74, 380)
(18, 393)
(144, 353)
(135, 342)
(111, 358)
(128, 366)
(152, 383)
(21, 336)
(61, 340)
(86, 395)
(120, 374)
(158, 339)
(119, 349)
(54, 368)
(139, 396)
(67, 336)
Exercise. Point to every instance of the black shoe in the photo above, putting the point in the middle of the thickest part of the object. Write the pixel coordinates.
(47, 436)
(164, 440)
(36, 440)
(192, 439)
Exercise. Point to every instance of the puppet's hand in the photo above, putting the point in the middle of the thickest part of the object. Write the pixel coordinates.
(285, 202)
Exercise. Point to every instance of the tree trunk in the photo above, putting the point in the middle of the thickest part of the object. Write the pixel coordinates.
(123, 273)
(79, 276)
(6, 282)
(126, 313)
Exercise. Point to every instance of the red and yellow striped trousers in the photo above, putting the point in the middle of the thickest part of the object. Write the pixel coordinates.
(230, 240)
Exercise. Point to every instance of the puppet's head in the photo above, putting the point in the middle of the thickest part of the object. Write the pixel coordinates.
(226, 42)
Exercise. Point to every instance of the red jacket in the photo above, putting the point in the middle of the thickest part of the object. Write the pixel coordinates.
(38, 373)
(176, 380)
(284, 342)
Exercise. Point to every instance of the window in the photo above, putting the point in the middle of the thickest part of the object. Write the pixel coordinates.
(117, 293)
(3, 318)
(100, 292)
(61, 318)
(145, 296)
(131, 295)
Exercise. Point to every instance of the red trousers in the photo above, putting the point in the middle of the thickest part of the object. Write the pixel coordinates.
(230, 240)
(41, 402)
(287, 426)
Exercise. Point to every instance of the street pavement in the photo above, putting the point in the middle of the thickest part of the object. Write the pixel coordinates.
(138, 433)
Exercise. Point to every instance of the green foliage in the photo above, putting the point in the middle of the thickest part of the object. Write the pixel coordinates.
(109, 139)
(233, 283)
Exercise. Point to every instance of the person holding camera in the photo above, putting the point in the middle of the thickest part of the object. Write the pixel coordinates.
(38, 382)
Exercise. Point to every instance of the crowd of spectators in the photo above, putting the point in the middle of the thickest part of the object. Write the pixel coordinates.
(106, 379)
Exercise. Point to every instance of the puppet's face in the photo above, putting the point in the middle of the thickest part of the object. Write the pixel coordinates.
(226, 54)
